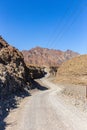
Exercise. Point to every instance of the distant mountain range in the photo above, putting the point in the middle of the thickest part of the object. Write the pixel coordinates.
(47, 57)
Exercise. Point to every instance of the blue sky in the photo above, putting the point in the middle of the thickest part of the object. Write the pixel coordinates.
(56, 24)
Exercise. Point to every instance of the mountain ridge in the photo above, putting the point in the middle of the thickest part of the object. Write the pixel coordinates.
(47, 57)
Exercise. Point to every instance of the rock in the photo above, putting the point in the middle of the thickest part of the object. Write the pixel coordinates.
(36, 72)
(14, 74)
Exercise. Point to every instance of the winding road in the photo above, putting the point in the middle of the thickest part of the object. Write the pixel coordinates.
(45, 110)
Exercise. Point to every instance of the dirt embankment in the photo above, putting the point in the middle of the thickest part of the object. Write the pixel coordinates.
(73, 75)
(73, 71)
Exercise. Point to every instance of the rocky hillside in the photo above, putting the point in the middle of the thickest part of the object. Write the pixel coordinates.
(13, 71)
(73, 71)
(47, 57)
(14, 74)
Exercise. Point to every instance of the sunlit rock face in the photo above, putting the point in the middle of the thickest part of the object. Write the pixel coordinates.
(14, 74)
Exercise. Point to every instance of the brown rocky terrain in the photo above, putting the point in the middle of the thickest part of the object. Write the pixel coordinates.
(36, 71)
(73, 71)
(47, 57)
(16, 78)
(14, 74)
(13, 71)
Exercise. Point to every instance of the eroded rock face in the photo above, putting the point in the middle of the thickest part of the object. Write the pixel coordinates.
(14, 74)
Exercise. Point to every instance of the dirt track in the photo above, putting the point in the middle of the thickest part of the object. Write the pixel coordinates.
(45, 110)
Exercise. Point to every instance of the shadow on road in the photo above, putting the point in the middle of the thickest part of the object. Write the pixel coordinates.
(11, 102)
(40, 86)
(8, 104)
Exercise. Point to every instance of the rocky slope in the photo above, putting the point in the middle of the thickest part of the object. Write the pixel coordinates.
(73, 71)
(47, 57)
(15, 75)
(16, 78)
(13, 71)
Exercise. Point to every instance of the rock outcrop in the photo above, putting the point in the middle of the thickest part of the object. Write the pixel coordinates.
(47, 57)
(16, 78)
(13, 71)
(36, 72)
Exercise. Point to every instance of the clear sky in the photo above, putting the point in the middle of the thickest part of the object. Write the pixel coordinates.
(56, 24)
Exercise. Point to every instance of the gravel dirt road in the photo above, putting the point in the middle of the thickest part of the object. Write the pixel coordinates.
(45, 110)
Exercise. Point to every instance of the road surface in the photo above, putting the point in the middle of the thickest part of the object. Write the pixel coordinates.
(46, 111)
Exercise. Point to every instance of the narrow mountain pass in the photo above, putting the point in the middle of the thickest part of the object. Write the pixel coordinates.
(46, 111)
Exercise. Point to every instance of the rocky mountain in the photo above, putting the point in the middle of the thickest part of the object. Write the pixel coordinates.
(47, 57)
(73, 71)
